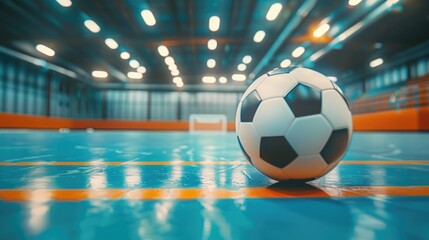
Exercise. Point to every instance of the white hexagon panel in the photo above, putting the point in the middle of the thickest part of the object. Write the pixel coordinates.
(253, 86)
(306, 167)
(336, 111)
(308, 135)
(276, 86)
(249, 139)
(312, 78)
(273, 117)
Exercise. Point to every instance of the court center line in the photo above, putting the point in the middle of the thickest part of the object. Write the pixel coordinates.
(155, 163)
(194, 193)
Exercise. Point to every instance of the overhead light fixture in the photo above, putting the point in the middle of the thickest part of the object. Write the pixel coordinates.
(148, 17)
(212, 44)
(177, 80)
(375, 63)
(99, 74)
(141, 69)
(135, 75)
(259, 36)
(354, 2)
(298, 52)
(285, 63)
(238, 77)
(223, 80)
(247, 59)
(214, 23)
(92, 26)
(134, 63)
(321, 30)
(332, 78)
(112, 44)
(172, 67)
(209, 79)
(45, 50)
(65, 3)
(391, 2)
(125, 55)
(211, 63)
(274, 11)
(179, 84)
(163, 51)
(241, 67)
(169, 60)
(175, 72)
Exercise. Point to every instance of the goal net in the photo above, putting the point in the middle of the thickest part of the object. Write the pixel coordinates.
(207, 123)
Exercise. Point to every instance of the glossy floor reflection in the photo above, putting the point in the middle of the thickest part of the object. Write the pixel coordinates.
(172, 185)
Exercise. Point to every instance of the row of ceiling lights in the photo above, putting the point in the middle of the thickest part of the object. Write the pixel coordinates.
(111, 43)
(214, 25)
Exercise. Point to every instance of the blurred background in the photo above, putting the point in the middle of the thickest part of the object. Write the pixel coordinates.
(164, 60)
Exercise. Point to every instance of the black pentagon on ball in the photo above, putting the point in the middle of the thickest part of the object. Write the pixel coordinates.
(304, 100)
(249, 106)
(277, 151)
(336, 145)
(244, 151)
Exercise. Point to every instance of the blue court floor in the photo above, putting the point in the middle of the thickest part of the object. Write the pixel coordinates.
(173, 185)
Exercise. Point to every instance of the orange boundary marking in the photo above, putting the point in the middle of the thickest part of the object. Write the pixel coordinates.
(98, 163)
(192, 193)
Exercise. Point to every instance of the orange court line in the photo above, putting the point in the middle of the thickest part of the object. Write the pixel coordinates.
(193, 193)
(155, 163)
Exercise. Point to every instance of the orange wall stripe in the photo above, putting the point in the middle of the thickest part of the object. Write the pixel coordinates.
(156, 163)
(410, 119)
(192, 193)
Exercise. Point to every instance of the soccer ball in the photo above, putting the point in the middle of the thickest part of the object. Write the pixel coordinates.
(293, 123)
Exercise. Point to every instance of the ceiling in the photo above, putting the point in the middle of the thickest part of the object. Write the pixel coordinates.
(182, 26)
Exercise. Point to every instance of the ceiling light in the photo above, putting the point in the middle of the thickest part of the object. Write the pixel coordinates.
(135, 75)
(99, 74)
(212, 44)
(391, 2)
(241, 67)
(223, 80)
(298, 52)
(259, 36)
(321, 30)
(141, 69)
(354, 2)
(148, 17)
(238, 77)
(177, 80)
(211, 63)
(134, 63)
(209, 79)
(169, 61)
(274, 11)
(163, 51)
(92, 26)
(285, 63)
(65, 3)
(214, 23)
(112, 44)
(172, 67)
(45, 50)
(332, 78)
(125, 55)
(247, 59)
(179, 84)
(175, 72)
(375, 63)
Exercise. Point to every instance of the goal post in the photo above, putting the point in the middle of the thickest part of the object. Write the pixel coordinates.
(207, 123)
